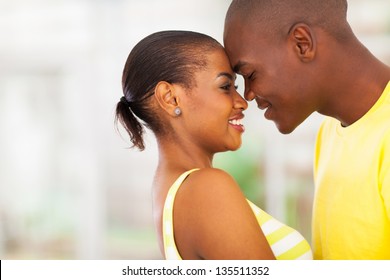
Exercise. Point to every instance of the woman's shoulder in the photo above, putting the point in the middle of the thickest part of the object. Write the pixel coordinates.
(210, 180)
(211, 175)
(213, 214)
(211, 187)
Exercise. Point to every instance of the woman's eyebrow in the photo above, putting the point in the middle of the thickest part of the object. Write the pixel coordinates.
(226, 74)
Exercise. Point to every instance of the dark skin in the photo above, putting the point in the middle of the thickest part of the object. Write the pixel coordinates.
(212, 218)
(300, 57)
(307, 71)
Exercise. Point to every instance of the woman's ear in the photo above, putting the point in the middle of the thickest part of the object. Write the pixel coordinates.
(166, 97)
(302, 38)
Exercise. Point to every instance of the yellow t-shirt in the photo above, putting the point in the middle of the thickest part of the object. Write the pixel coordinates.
(286, 243)
(351, 214)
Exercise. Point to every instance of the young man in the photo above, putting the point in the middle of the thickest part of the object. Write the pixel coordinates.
(298, 57)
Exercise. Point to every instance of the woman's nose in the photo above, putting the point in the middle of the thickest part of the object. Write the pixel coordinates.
(240, 102)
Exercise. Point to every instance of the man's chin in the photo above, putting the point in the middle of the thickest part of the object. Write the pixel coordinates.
(285, 129)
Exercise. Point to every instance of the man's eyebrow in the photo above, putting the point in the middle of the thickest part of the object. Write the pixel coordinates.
(238, 66)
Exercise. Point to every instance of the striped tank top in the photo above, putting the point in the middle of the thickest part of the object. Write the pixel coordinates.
(286, 243)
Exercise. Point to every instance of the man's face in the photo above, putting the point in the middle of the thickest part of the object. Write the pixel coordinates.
(273, 74)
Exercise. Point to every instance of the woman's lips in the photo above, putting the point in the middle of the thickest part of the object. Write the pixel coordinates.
(236, 122)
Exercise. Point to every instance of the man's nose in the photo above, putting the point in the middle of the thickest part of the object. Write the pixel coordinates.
(249, 94)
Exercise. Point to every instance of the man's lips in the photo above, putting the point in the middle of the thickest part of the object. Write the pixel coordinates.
(262, 103)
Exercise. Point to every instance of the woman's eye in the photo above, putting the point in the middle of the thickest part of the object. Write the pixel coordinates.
(228, 87)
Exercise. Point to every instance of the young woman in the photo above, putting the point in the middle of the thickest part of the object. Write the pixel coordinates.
(180, 85)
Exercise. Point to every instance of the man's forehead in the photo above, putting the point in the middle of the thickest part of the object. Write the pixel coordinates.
(238, 66)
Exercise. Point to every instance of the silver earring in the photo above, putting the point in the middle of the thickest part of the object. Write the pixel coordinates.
(177, 111)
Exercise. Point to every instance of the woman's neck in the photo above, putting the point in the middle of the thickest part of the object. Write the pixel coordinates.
(177, 155)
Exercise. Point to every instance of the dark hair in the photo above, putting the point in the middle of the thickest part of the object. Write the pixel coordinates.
(277, 16)
(171, 56)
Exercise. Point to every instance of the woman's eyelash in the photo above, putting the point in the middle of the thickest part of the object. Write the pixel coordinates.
(227, 87)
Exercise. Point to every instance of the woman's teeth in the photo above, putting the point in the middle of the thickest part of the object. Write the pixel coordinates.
(236, 122)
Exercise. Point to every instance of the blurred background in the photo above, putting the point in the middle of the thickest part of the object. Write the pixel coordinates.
(69, 186)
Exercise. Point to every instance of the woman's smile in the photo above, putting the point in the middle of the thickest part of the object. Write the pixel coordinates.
(237, 124)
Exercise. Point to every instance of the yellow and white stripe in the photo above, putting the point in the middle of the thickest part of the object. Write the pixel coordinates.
(286, 243)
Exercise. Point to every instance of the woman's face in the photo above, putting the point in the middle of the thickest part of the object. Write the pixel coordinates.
(213, 109)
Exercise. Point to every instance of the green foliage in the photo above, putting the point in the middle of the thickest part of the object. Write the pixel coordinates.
(245, 165)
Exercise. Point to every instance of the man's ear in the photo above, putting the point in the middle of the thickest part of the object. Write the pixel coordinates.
(166, 97)
(303, 41)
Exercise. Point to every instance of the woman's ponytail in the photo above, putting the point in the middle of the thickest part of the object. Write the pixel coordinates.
(131, 124)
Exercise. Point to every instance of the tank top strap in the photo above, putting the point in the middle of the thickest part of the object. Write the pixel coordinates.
(176, 185)
(170, 249)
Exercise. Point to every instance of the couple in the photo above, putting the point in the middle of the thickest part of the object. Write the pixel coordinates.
(297, 57)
